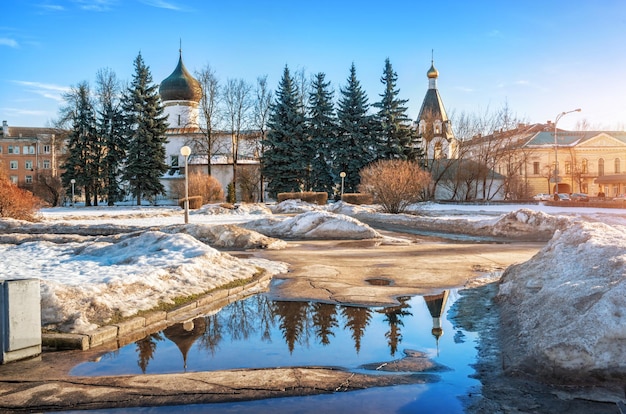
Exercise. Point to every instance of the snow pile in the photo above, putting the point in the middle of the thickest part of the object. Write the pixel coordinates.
(228, 236)
(237, 209)
(535, 224)
(563, 312)
(314, 225)
(348, 209)
(292, 206)
(84, 284)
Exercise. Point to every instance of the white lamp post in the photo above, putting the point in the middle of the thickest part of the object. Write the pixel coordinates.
(343, 176)
(73, 181)
(185, 151)
(556, 156)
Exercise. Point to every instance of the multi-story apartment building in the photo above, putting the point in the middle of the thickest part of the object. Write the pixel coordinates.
(27, 153)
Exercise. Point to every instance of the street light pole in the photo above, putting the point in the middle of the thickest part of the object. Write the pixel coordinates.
(73, 181)
(556, 155)
(343, 176)
(185, 151)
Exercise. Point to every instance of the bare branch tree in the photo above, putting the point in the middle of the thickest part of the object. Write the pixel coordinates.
(210, 116)
(238, 102)
(263, 100)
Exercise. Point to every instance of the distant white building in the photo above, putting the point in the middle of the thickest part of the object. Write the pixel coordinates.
(181, 94)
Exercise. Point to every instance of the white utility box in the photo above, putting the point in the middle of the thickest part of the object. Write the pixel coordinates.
(20, 319)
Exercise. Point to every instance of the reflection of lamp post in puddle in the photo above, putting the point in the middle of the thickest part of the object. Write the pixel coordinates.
(185, 151)
(436, 304)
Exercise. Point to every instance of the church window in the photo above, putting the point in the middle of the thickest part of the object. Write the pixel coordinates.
(437, 127)
(174, 160)
(178, 119)
(438, 150)
(600, 167)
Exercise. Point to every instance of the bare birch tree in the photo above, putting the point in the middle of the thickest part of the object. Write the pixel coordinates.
(237, 105)
(210, 116)
(262, 102)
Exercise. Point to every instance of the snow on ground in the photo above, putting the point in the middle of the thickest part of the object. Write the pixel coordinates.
(564, 308)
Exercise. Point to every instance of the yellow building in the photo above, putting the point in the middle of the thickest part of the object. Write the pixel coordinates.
(588, 161)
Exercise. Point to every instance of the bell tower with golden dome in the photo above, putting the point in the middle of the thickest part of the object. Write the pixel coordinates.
(181, 94)
(434, 127)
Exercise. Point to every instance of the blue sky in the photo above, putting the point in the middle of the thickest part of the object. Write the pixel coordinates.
(540, 57)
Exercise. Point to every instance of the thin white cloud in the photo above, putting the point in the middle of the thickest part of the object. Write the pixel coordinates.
(95, 5)
(465, 89)
(52, 7)
(5, 41)
(162, 4)
(522, 82)
(495, 33)
(23, 112)
(49, 91)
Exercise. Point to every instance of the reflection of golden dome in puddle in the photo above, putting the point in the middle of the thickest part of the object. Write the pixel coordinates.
(185, 334)
(437, 332)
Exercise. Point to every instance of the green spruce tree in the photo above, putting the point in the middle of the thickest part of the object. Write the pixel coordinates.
(356, 144)
(395, 136)
(84, 147)
(146, 139)
(322, 133)
(284, 162)
(111, 129)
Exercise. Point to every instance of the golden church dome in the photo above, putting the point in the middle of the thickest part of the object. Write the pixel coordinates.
(432, 72)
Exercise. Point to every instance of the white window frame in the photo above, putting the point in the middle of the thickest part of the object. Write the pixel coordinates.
(13, 165)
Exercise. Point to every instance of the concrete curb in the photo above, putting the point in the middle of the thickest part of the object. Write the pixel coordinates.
(131, 330)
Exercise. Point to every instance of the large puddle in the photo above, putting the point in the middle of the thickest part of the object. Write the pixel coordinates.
(261, 333)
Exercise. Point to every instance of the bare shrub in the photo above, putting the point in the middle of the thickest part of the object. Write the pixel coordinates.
(205, 186)
(395, 184)
(248, 180)
(17, 203)
(195, 202)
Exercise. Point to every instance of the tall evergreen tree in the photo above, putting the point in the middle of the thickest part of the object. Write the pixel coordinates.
(322, 133)
(356, 146)
(146, 139)
(83, 146)
(283, 159)
(395, 134)
(111, 130)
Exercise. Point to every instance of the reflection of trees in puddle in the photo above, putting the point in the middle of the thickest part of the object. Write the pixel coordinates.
(393, 316)
(298, 322)
(146, 348)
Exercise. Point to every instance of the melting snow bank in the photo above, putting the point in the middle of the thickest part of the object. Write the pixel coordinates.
(314, 225)
(85, 284)
(563, 314)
